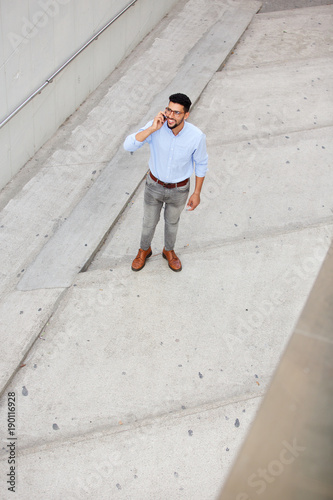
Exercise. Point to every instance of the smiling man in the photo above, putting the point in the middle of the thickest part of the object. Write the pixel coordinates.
(177, 148)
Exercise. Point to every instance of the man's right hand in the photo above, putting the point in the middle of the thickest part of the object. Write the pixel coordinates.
(158, 121)
(156, 125)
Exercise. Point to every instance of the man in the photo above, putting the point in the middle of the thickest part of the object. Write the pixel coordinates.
(176, 148)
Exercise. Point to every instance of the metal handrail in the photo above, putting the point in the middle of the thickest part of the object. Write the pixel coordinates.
(50, 79)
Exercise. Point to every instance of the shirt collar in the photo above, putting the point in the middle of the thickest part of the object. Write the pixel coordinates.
(179, 133)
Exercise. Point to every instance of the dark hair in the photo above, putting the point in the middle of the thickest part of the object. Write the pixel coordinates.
(181, 99)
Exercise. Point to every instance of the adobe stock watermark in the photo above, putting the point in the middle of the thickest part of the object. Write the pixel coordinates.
(295, 276)
(101, 134)
(101, 473)
(234, 157)
(107, 134)
(307, 268)
(40, 19)
(263, 477)
(107, 474)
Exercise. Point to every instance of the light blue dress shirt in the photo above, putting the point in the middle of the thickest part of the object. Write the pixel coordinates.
(173, 158)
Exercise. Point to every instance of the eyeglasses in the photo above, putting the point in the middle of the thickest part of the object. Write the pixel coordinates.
(172, 111)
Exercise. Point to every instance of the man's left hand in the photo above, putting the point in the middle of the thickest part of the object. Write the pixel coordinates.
(193, 202)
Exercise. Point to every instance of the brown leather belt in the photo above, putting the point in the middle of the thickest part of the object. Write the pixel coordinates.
(169, 185)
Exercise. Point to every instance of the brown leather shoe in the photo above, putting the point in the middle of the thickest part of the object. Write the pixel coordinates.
(174, 262)
(140, 260)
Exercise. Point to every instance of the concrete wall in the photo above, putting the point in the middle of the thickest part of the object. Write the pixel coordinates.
(36, 38)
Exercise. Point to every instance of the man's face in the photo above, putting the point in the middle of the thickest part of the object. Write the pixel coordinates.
(175, 115)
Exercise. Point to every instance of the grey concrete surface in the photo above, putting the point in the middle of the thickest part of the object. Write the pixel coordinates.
(159, 458)
(56, 221)
(143, 385)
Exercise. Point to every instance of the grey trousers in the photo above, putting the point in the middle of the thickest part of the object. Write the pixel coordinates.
(174, 202)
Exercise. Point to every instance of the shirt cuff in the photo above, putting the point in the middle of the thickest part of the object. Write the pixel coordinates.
(131, 144)
(201, 170)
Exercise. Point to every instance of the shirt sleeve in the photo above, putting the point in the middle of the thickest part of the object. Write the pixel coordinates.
(200, 158)
(131, 144)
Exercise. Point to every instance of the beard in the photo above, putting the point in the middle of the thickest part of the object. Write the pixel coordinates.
(175, 125)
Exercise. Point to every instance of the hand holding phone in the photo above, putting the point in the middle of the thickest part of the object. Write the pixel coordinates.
(159, 119)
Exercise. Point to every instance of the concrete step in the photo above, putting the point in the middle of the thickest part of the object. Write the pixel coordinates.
(76, 241)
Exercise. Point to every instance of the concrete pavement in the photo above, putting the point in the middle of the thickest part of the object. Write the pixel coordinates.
(76, 182)
(143, 385)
